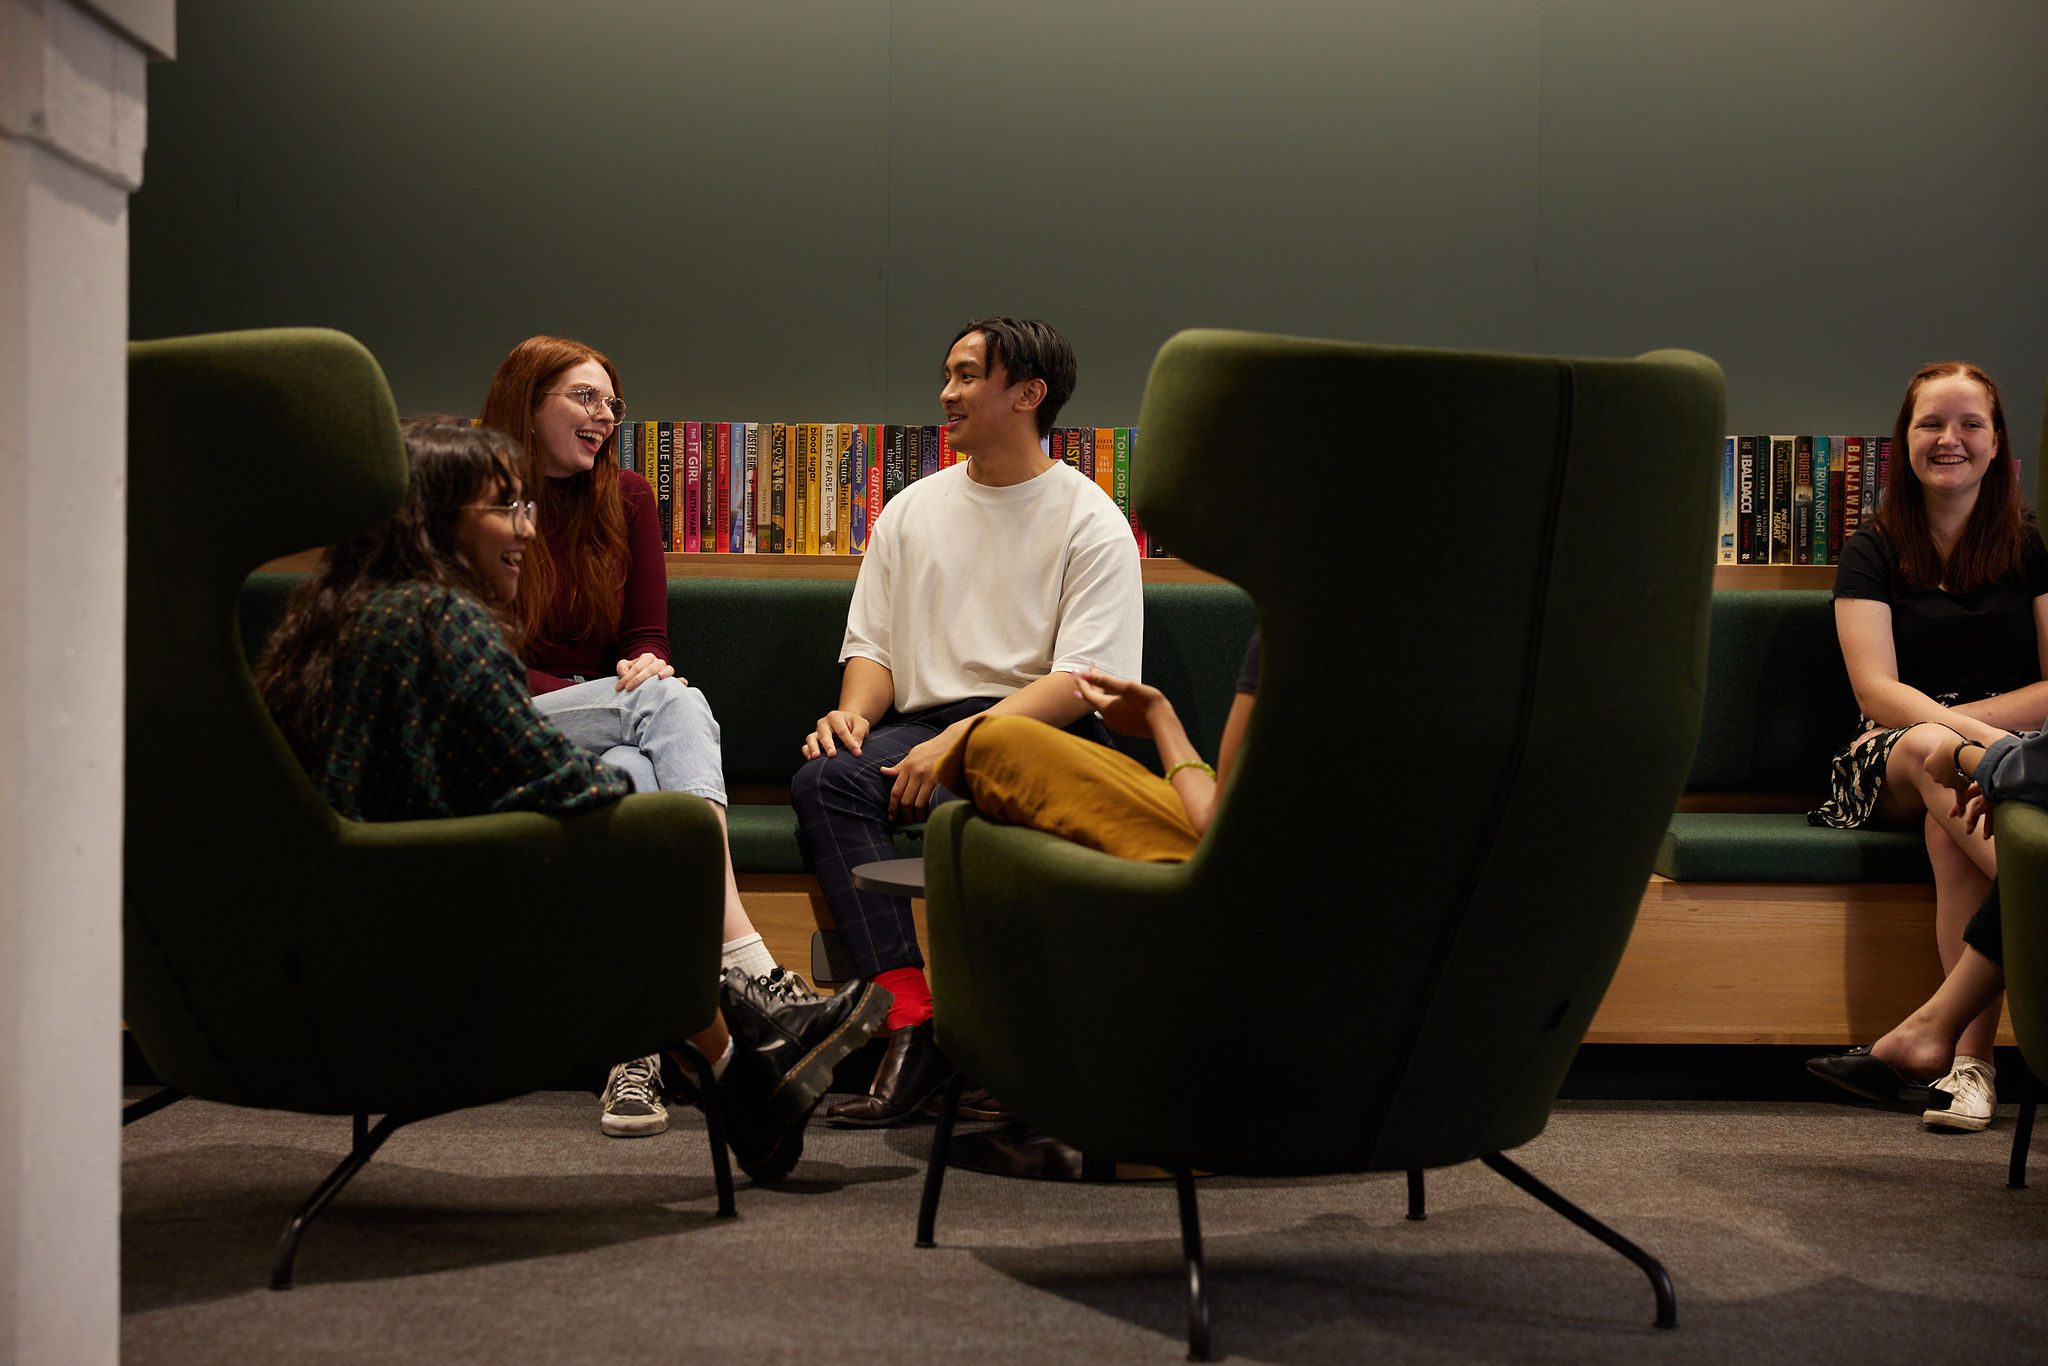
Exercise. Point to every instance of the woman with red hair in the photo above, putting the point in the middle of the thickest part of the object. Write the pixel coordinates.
(1941, 606)
(593, 606)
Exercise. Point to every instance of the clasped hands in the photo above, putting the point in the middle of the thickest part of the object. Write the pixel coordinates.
(634, 672)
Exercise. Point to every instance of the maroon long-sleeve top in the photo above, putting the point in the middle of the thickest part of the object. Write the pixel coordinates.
(643, 624)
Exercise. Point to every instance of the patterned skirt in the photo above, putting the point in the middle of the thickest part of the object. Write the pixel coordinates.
(1856, 776)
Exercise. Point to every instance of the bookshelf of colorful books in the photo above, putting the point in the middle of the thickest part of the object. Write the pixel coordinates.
(1788, 503)
(801, 489)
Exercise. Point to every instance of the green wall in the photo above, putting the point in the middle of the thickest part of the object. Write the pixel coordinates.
(782, 210)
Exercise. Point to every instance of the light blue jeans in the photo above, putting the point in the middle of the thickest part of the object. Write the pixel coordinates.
(661, 733)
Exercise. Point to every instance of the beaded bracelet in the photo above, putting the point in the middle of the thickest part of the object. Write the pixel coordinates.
(1190, 763)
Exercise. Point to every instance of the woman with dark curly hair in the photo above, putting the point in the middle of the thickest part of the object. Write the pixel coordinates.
(1942, 610)
(393, 681)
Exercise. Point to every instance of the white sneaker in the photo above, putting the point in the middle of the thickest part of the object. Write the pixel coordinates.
(632, 1100)
(1963, 1099)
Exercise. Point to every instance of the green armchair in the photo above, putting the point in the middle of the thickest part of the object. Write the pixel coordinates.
(2023, 896)
(276, 954)
(1482, 583)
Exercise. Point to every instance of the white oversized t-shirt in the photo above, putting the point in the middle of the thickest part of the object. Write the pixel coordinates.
(971, 591)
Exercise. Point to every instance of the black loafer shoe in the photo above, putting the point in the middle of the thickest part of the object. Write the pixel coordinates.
(911, 1072)
(1858, 1072)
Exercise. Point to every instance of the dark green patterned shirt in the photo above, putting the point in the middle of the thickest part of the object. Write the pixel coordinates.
(432, 718)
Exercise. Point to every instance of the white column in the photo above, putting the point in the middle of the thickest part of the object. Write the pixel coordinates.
(71, 135)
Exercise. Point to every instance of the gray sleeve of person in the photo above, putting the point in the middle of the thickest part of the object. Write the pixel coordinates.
(2015, 768)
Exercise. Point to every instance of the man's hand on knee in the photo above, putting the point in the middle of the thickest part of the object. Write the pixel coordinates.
(836, 728)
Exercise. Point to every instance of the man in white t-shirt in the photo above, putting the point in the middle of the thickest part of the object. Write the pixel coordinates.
(983, 589)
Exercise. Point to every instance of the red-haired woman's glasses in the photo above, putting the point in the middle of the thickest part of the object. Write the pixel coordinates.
(592, 404)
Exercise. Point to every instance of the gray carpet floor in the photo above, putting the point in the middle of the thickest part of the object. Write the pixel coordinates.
(1795, 1232)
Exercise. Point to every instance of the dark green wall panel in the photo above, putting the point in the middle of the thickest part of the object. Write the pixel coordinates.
(783, 209)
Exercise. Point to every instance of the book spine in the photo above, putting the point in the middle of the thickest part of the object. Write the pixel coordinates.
(1838, 491)
(1852, 486)
(800, 435)
(1746, 491)
(665, 491)
(1120, 469)
(721, 497)
(892, 462)
(749, 532)
(626, 449)
(1086, 464)
(1071, 446)
(1724, 543)
(828, 489)
(927, 451)
(814, 454)
(1802, 500)
(1105, 460)
(757, 493)
(1056, 444)
(650, 458)
(778, 488)
(1782, 461)
(857, 505)
(1873, 492)
(1823, 495)
(693, 486)
(848, 436)
(947, 455)
(874, 479)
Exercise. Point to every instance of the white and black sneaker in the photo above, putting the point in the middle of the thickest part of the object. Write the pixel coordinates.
(1963, 1099)
(632, 1100)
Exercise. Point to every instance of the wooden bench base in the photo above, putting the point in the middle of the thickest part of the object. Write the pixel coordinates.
(1795, 963)
(1710, 962)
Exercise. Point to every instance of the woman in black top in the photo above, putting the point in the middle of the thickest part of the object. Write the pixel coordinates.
(1942, 610)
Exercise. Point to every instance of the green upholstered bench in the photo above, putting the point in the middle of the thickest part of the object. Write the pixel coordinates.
(765, 652)
(1758, 927)
(1778, 706)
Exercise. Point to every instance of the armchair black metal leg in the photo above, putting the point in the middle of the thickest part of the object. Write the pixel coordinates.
(1660, 1279)
(2023, 1131)
(714, 1120)
(1415, 1208)
(935, 1165)
(367, 1141)
(1198, 1284)
(149, 1104)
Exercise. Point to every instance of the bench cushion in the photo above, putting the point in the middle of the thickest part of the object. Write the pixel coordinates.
(1715, 846)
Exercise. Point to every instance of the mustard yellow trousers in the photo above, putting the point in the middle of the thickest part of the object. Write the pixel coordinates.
(1025, 772)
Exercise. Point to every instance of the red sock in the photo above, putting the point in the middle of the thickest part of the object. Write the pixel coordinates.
(913, 1003)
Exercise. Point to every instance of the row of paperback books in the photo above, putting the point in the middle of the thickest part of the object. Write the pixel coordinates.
(815, 488)
(1796, 499)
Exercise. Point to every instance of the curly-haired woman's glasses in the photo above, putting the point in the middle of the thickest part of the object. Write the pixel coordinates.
(518, 512)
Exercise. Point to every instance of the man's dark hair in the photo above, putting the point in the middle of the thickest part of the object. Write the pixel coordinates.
(1029, 348)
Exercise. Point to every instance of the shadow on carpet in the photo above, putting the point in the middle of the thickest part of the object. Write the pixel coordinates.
(208, 1228)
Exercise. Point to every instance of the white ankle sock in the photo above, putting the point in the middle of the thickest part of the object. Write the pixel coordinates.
(718, 1064)
(749, 955)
